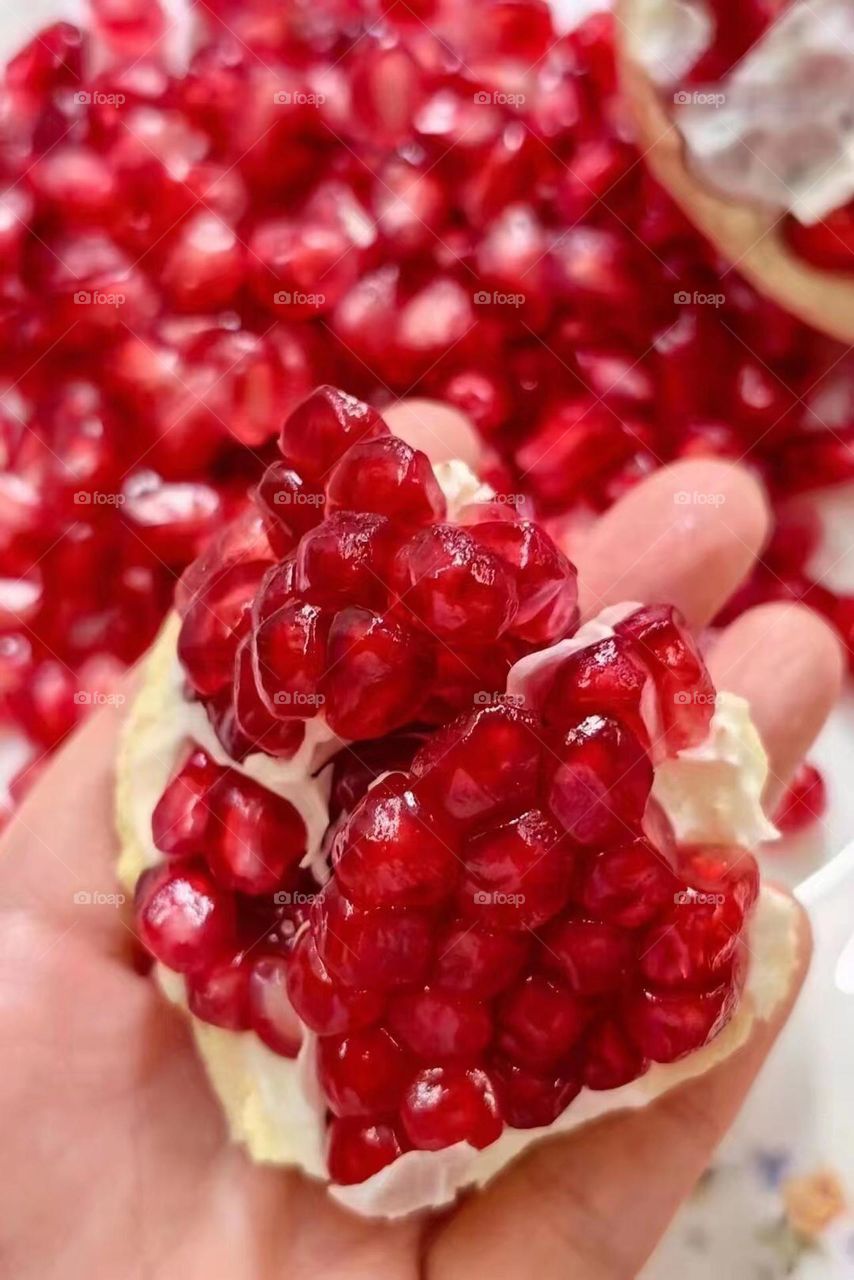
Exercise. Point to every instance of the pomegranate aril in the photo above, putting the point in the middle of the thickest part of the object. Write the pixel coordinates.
(693, 944)
(438, 1025)
(829, 243)
(184, 919)
(346, 560)
(665, 1027)
(685, 692)
(255, 836)
(393, 853)
(449, 1104)
(606, 676)
(378, 674)
(301, 268)
(609, 1058)
(181, 819)
(628, 886)
(355, 768)
(247, 725)
(539, 1021)
(597, 780)
(205, 265)
(378, 949)
(48, 706)
(271, 1014)
(363, 1074)
(804, 801)
(321, 429)
(457, 589)
(291, 505)
(359, 1148)
(527, 1099)
(477, 962)
(726, 870)
(212, 624)
(220, 995)
(290, 659)
(517, 875)
(593, 958)
(388, 477)
(324, 1005)
(545, 580)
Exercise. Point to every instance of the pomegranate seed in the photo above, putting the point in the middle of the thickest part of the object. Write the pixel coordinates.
(290, 659)
(539, 1021)
(475, 961)
(665, 1027)
(449, 1104)
(357, 1149)
(517, 875)
(364, 1073)
(388, 477)
(694, 942)
(300, 268)
(545, 579)
(685, 691)
(321, 429)
(437, 1025)
(606, 675)
(529, 1100)
(246, 725)
(628, 886)
(48, 706)
(597, 781)
(212, 624)
(323, 1005)
(184, 920)
(205, 266)
(345, 560)
(220, 995)
(593, 958)
(255, 836)
(271, 1014)
(291, 506)
(610, 1058)
(380, 949)
(455, 587)
(181, 819)
(804, 802)
(378, 672)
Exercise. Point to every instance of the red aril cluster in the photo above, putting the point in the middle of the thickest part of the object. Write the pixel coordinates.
(374, 594)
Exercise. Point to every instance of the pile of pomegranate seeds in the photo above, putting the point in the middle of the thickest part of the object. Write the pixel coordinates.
(378, 612)
(445, 202)
(508, 918)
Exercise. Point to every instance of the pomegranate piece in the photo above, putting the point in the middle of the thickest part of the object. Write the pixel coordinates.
(220, 995)
(685, 691)
(378, 673)
(321, 429)
(448, 1104)
(246, 725)
(346, 559)
(212, 625)
(289, 655)
(181, 820)
(665, 1027)
(545, 580)
(597, 781)
(475, 961)
(606, 674)
(804, 802)
(183, 918)
(393, 853)
(529, 1100)
(593, 958)
(440, 1025)
(628, 886)
(388, 477)
(291, 505)
(358, 1148)
(517, 875)
(610, 1059)
(455, 587)
(364, 1073)
(324, 1005)
(271, 1014)
(380, 948)
(539, 1020)
(255, 836)
(693, 945)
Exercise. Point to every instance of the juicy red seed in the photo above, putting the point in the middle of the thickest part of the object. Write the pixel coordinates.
(480, 764)
(527, 1099)
(181, 818)
(716, 869)
(392, 853)
(321, 429)
(252, 726)
(355, 768)
(379, 672)
(212, 626)
(606, 676)
(539, 1020)
(358, 1148)
(628, 886)
(324, 1005)
(545, 580)
(455, 587)
(449, 1104)
(290, 659)
(610, 1059)
(271, 1014)
(436, 1025)
(220, 995)
(346, 560)
(378, 949)
(517, 875)
(597, 781)
(666, 1026)
(255, 836)
(805, 800)
(364, 1073)
(290, 505)
(475, 961)
(685, 690)
(694, 942)
(275, 590)
(593, 958)
(183, 918)
(389, 477)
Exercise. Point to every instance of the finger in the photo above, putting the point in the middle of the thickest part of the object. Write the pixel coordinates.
(790, 695)
(602, 1197)
(440, 430)
(688, 535)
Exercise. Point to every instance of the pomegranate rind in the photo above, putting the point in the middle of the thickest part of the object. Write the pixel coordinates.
(747, 234)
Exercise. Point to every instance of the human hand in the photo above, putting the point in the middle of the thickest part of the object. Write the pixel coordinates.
(117, 1159)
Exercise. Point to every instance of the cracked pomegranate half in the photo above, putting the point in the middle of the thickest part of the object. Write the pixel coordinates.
(404, 840)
